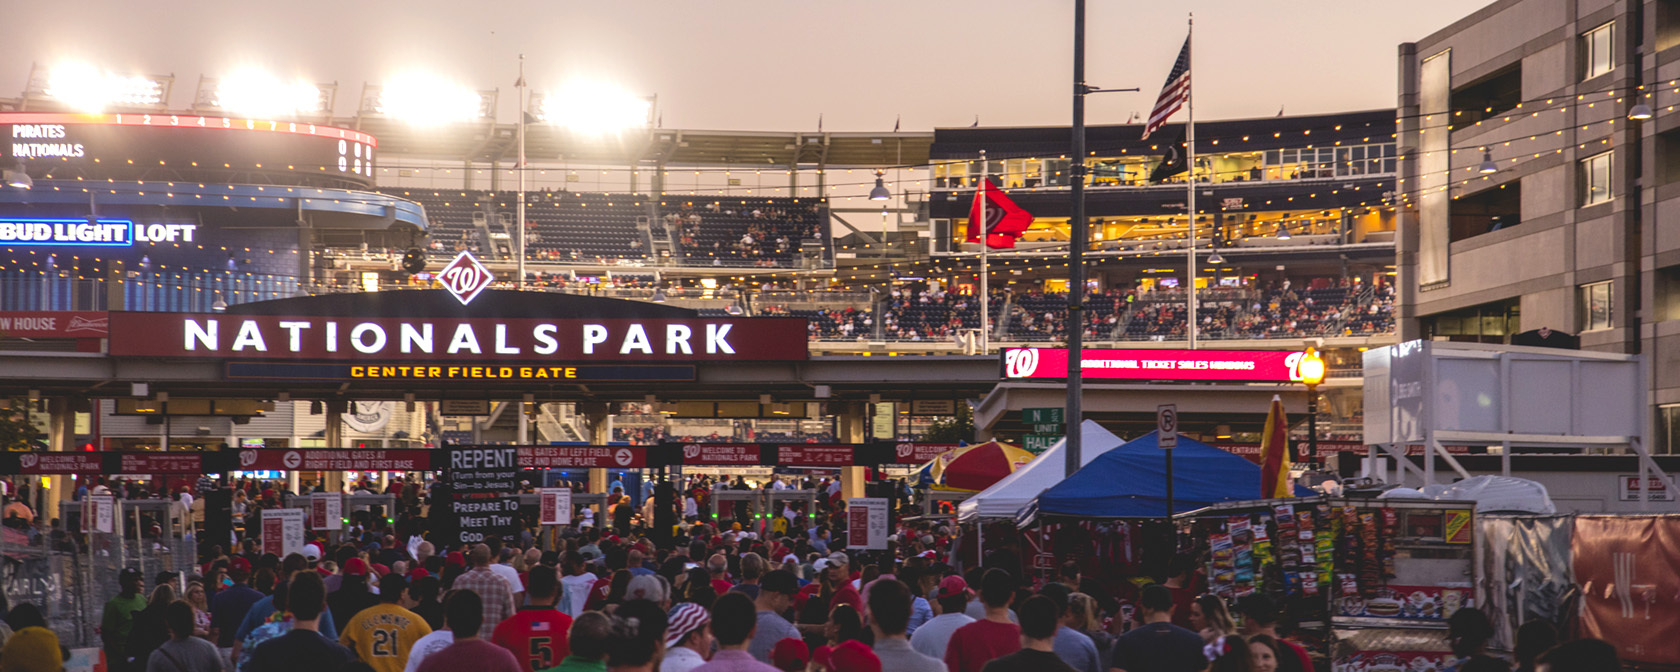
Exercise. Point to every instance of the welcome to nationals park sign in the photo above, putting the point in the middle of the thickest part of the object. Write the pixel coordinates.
(527, 457)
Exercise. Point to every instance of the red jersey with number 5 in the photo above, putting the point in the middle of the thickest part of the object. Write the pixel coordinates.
(536, 636)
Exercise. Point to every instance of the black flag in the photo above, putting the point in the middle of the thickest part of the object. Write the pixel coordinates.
(1172, 160)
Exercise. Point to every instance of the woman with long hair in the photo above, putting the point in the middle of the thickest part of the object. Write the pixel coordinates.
(1229, 653)
(619, 586)
(201, 609)
(1263, 653)
(1087, 620)
(1209, 616)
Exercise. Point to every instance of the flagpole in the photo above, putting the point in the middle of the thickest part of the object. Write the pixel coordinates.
(519, 210)
(985, 261)
(1190, 151)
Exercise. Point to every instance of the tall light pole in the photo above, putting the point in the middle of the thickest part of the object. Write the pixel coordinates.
(519, 210)
(1078, 236)
(1312, 374)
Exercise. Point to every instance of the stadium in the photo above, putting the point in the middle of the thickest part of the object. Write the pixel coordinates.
(859, 234)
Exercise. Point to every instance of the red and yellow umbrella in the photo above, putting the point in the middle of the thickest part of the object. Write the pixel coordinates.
(974, 468)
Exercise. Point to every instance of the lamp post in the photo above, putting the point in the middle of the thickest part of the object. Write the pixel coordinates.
(1312, 374)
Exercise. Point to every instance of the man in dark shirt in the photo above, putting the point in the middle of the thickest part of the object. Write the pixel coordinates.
(1158, 645)
(1039, 619)
(303, 648)
(228, 608)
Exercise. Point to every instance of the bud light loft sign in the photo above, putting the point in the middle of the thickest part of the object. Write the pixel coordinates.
(464, 277)
(90, 232)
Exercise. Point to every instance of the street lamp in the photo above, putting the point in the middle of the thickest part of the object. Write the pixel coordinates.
(1312, 374)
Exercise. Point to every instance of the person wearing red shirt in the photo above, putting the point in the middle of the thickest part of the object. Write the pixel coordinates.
(536, 635)
(1260, 617)
(975, 644)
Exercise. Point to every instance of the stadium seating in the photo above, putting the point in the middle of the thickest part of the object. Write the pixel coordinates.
(765, 232)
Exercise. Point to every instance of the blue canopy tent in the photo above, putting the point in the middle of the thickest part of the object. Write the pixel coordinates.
(1130, 482)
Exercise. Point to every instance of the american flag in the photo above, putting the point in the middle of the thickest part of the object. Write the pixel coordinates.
(1173, 94)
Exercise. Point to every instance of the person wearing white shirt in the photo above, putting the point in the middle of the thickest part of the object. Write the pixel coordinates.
(933, 636)
(509, 574)
(437, 641)
(576, 583)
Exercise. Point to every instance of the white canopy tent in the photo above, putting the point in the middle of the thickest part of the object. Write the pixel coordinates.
(1006, 497)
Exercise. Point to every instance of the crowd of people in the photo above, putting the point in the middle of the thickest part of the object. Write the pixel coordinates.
(735, 592)
(1327, 308)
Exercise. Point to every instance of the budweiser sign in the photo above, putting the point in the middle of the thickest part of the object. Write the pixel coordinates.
(54, 324)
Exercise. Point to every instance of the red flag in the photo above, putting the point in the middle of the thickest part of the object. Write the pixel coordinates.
(1274, 454)
(1004, 221)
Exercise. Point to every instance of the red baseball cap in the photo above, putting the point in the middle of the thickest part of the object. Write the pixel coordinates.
(239, 562)
(850, 656)
(355, 567)
(952, 585)
(789, 651)
(455, 558)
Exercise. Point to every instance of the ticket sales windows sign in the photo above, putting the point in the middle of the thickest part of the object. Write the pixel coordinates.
(1279, 366)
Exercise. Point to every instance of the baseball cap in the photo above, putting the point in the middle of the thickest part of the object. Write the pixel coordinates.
(239, 562)
(129, 574)
(790, 558)
(789, 651)
(929, 554)
(311, 552)
(951, 586)
(355, 567)
(685, 618)
(850, 656)
(455, 558)
(838, 558)
(820, 565)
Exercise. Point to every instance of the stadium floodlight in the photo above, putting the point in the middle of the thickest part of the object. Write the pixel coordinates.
(88, 89)
(259, 94)
(879, 193)
(594, 108)
(427, 100)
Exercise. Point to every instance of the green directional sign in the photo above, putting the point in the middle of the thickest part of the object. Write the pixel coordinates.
(1042, 416)
(1052, 428)
(1038, 443)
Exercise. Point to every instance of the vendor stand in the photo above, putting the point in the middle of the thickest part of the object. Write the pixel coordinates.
(1366, 583)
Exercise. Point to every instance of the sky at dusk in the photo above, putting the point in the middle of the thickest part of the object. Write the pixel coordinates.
(771, 65)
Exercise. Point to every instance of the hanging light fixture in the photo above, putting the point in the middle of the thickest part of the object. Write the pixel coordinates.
(17, 178)
(1488, 166)
(880, 193)
(658, 296)
(734, 310)
(1215, 258)
(1641, 112)
(1283, 231)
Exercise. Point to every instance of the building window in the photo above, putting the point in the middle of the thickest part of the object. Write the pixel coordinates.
(1595, 51)
(1595, 179)
(1668, 429)
(1595, 306)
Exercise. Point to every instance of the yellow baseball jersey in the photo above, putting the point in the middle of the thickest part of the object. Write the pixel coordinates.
(382, 636)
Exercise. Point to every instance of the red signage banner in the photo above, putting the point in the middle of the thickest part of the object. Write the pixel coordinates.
(59, 463)
(912, 452)
(260, 337)
(720, 454)
(260, 459)
(815, 454)
(162, 463)
(54, 324)
(582, 457)
(1280, 366)
(1624, 567)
